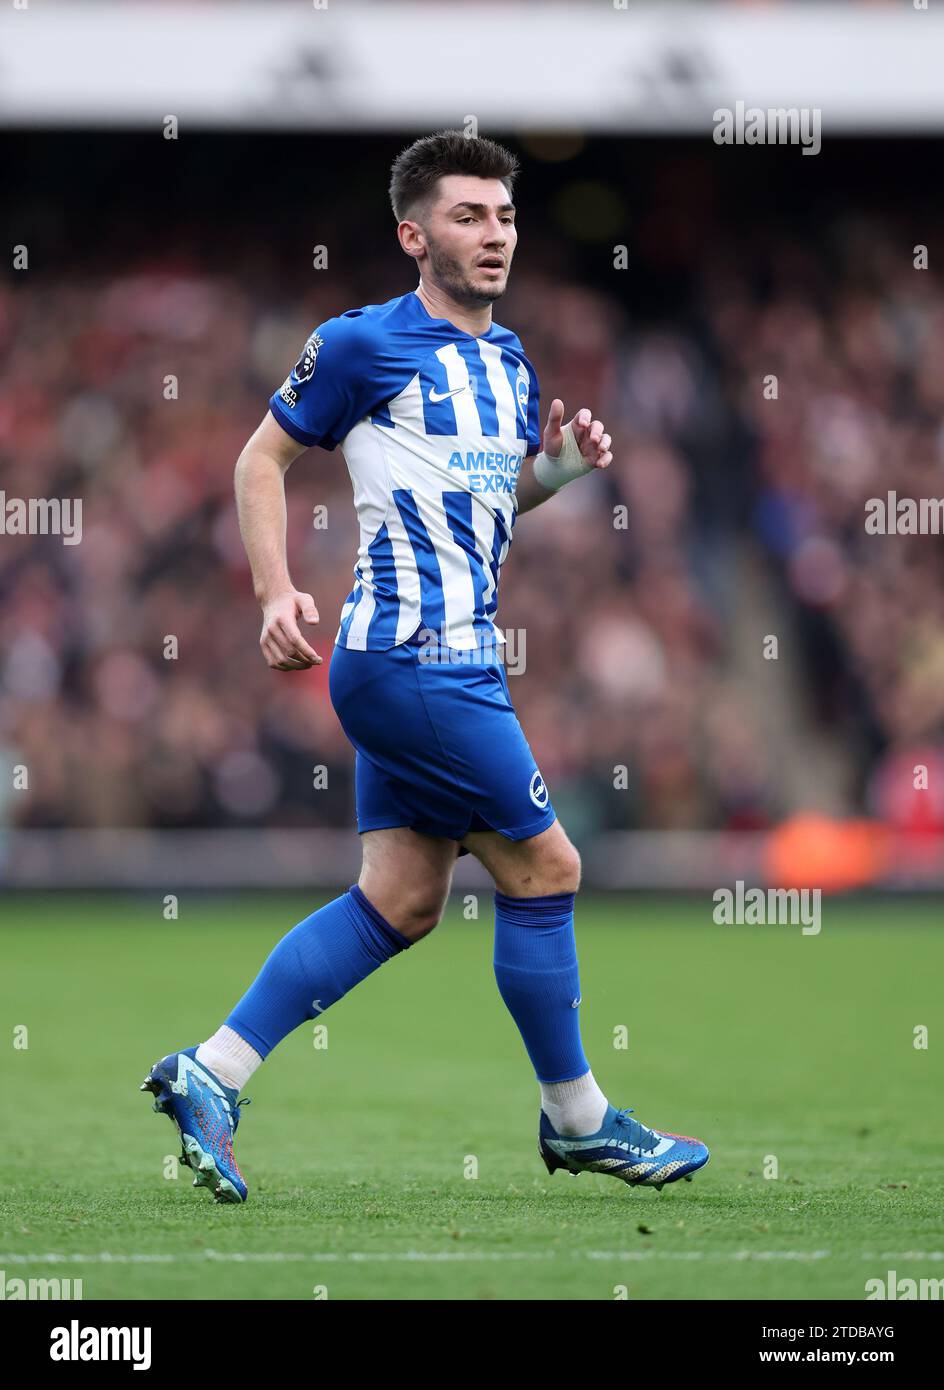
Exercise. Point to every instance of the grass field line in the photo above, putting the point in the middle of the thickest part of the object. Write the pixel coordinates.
(447, 1256)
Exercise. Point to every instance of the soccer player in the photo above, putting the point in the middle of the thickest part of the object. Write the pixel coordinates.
(435, 408)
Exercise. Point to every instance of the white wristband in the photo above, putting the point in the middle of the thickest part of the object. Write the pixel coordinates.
(553, 474)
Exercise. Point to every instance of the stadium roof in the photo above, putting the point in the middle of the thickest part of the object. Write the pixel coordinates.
(652, 68)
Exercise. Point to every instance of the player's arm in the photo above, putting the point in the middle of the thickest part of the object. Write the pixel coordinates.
(570, 451)
(260, 504)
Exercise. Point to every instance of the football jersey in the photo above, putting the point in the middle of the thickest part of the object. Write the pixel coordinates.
(434, 424)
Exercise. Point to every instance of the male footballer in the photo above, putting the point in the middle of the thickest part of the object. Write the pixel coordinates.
(435, 407)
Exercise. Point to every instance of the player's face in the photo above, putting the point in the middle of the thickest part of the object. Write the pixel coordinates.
(470, 238)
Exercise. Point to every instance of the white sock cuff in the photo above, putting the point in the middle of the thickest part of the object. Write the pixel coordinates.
(229, 1056)
(574, 1107)
(560, 1091)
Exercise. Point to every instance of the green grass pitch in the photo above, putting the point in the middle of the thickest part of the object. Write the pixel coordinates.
(359, 1156)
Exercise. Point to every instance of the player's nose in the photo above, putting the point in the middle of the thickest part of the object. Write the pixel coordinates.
(496, 232)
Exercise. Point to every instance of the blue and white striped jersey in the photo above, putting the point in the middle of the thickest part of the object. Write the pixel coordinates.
(433, 424)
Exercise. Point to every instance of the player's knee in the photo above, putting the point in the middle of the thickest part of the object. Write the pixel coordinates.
(419, 923)
(419, 913)
(554, 869)
(562, 871)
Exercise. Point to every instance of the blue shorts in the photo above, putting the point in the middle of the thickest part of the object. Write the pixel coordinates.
(438, 745)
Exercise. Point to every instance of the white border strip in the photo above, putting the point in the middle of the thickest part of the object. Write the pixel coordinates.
(584, 66)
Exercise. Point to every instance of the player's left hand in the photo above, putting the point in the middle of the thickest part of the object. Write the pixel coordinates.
(589, 435)
(592, 440)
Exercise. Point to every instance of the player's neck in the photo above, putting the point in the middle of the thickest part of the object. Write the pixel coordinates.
(440, 305)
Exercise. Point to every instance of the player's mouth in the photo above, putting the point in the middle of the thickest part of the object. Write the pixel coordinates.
(492, 263)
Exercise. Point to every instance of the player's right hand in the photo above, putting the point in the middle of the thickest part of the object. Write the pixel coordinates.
(282, 643)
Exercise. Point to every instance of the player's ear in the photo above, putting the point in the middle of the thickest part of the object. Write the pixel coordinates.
(411, 238)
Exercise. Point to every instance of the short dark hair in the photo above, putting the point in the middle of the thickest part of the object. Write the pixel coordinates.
(417, 169)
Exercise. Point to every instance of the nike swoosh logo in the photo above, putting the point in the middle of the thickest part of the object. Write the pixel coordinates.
(435, 395)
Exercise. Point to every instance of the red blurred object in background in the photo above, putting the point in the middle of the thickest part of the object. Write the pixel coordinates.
(813, 851)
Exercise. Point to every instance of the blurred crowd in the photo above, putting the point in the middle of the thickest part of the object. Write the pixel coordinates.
(852, 330)
(132, 689)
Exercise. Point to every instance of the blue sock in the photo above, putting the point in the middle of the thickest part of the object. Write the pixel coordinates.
(312, 967)
(536, 970)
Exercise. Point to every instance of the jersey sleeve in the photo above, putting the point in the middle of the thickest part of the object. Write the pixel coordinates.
(327, 391)
(534, 414)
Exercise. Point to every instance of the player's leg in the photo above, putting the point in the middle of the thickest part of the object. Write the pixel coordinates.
(536, 880)
(533, 867)
(399, 897)
(402, 886)
(407, 877)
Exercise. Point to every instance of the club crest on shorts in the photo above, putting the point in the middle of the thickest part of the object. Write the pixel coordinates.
(538, 791)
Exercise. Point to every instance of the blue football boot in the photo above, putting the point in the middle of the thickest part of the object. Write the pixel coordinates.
(624, 1148)
(206, 1114)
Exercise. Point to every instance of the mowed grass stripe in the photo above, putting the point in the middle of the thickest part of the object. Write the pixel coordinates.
(760, 1040)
